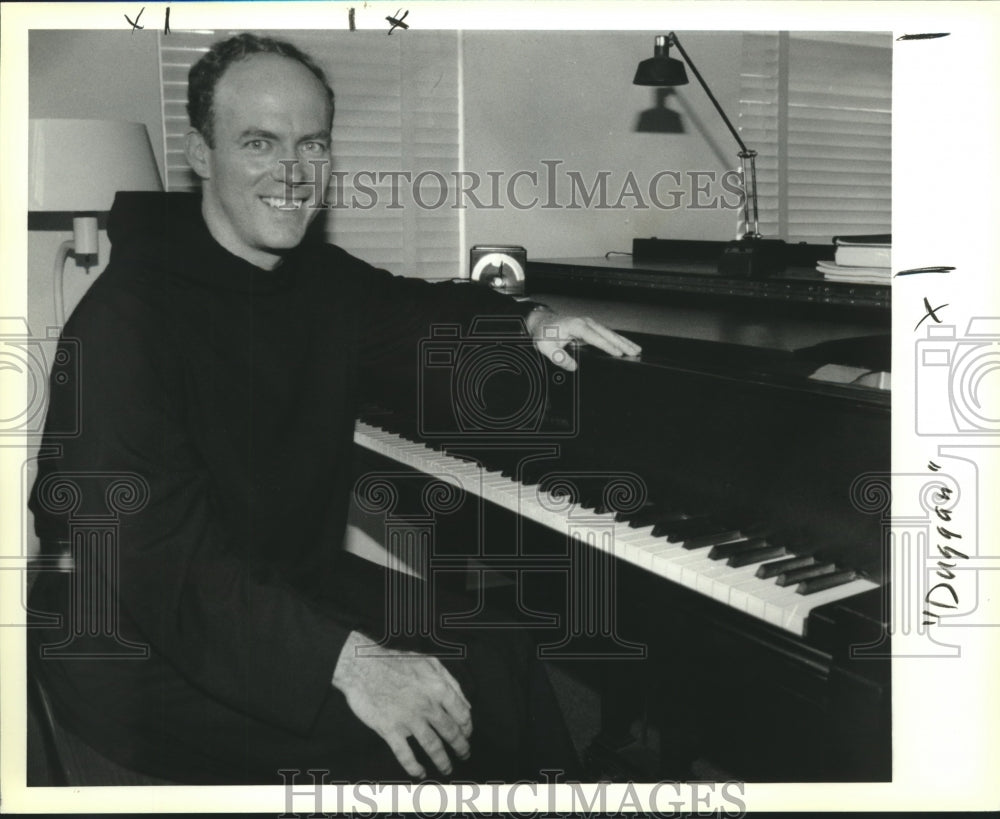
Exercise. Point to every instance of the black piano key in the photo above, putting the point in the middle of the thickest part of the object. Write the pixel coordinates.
(648, 514)
(789, 563)
(758, 529)
(726, 535)
(508, 466)
(826, 581)
(494, 460)
(559, 490)
(591, 494)
(715, 538)
(790, 578)
(459, 454)
(748, 558)
(691, 527)
(604, 507)
(533, 471)
(722, 551)
(668, 524)
(552, 479)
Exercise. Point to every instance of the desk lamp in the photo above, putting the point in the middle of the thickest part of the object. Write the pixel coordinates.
(77, 166)
(750, 255)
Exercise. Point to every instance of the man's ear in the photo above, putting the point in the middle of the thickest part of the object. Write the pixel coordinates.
(197, 151)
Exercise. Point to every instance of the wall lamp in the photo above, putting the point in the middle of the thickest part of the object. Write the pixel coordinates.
(76, 166)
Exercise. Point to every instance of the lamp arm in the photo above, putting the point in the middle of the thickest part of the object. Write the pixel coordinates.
(672, 38)
(750, 209)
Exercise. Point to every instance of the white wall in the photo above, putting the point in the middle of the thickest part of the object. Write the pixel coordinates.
(569, 96)
(83, 75)
(86, 75)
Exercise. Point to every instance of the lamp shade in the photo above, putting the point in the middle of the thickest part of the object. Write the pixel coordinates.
(660, 71)
(80, 164)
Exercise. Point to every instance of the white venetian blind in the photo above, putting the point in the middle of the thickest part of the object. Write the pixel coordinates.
(817, 108)
(397, 111)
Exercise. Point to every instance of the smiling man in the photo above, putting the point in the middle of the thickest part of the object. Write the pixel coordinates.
(224, 352)
(256, 202)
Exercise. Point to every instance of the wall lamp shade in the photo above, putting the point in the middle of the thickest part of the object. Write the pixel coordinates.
(78, 165)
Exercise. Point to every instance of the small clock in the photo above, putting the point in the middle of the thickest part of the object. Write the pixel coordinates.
(499, 266)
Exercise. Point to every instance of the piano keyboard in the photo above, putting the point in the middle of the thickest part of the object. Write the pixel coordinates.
(739, 569)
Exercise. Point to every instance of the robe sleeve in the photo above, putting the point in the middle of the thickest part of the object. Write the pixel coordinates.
(400, 317)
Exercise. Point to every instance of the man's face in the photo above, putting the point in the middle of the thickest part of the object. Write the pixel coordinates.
(272, 139)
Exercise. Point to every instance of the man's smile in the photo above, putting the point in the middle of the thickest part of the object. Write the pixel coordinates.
(283, 203)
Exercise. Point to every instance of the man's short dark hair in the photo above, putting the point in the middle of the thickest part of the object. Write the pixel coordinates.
(205, 74)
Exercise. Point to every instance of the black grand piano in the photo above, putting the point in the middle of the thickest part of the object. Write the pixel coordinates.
(681, 530)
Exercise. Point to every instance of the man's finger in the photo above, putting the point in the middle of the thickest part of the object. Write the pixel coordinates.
(458, 713)
(604, 339)
(625, 345)
(452, 698)
(401, 749)
(435, 749)
(553, 350)
(451, 732)
(452, 682)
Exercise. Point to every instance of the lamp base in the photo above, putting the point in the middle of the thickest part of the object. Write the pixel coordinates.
(753, 258)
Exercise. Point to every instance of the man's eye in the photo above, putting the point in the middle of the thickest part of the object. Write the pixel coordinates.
(257, 144)
(314, 147)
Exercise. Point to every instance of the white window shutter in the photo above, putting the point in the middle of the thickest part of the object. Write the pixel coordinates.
(396, 112)
(817, 106)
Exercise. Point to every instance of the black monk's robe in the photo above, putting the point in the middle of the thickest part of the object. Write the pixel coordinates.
(220, 399)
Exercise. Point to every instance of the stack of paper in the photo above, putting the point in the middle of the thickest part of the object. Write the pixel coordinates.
(861, 259)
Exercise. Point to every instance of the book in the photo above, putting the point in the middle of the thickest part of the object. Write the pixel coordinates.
(873, 250)
(854, 273)
(864, 239)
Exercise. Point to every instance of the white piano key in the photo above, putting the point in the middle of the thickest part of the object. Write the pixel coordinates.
(740, 592)
(763, 594)
(666, 556)
(775, 607)
(709, 574)
(628, 535)
(724, 584)
(737, 587)
(697, 573)
(673, 563)
(646, 553)
(796, 614)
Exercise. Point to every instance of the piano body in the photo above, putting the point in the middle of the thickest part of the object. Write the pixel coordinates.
(683, 531)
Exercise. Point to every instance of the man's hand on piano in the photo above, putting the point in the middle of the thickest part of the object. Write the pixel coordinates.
(552, 332)
(401, 694)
